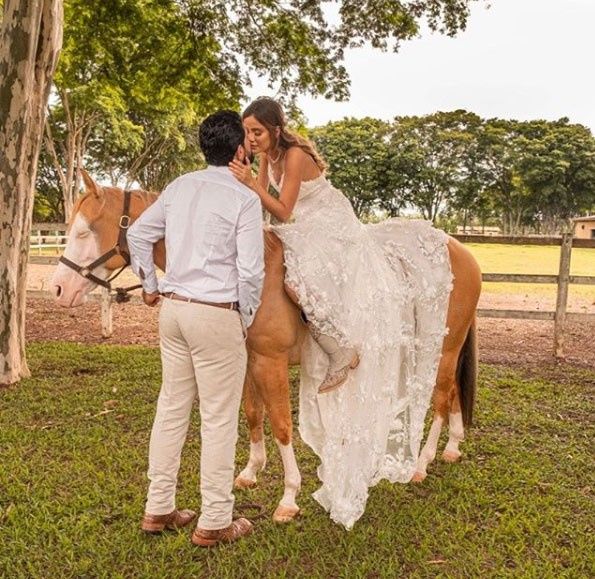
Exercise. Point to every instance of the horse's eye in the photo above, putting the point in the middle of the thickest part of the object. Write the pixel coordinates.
(84, 233)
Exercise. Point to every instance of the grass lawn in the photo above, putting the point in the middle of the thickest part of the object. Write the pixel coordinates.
(532, 259)
(73, 445)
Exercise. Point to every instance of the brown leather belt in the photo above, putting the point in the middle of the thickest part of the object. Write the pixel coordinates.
(225, 305)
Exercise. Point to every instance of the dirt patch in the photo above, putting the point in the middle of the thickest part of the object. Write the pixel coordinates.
(511, 342)
(523, 343)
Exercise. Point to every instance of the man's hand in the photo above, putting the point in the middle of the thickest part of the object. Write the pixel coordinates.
(151, 299)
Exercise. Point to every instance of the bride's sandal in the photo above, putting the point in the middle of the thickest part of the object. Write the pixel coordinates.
(335, 379)
(341, 360)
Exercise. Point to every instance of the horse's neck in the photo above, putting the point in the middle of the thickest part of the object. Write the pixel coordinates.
(159, 247)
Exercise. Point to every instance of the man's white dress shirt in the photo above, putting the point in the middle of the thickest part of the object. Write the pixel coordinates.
(212, 225)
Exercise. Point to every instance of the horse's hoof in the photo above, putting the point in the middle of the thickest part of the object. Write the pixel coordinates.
(285, 514)
(418, 477)
(244, 483)
(451, 456)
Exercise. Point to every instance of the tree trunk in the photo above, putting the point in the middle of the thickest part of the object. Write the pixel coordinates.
(30, 41)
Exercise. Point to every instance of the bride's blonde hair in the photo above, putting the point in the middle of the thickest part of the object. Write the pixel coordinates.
(268, 112)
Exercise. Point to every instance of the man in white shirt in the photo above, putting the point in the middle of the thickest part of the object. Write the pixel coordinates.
(212, 226)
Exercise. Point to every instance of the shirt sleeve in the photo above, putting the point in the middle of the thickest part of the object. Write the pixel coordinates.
(142, 235)
(250, 260)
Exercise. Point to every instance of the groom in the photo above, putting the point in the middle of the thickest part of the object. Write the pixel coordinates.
(212, 226)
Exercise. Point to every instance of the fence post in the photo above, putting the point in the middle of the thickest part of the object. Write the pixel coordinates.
(562, 297)
(106, 313)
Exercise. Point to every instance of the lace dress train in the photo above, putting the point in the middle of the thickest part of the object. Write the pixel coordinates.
(382, 289)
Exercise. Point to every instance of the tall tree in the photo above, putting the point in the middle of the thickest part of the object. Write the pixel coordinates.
(356, 152)
(133, 87)
(502, 147)
(558, 168)
(136, 76)
(30, 41)
(431, 160)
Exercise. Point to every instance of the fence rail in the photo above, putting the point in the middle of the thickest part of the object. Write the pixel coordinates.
(525, 240)
(563, 280)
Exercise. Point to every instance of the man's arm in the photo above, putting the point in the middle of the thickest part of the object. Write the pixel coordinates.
(142, 235)
(250, 260)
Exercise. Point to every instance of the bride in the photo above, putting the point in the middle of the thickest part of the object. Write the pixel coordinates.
(368, 372)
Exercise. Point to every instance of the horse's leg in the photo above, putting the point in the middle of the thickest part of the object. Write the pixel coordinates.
(291, 295)
(455, 376)
(462, 397)
(271, 377)
(456, 430)
(444, 385)
(254, 409)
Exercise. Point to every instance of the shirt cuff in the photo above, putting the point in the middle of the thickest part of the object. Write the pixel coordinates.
(150, 285)
(247, 313)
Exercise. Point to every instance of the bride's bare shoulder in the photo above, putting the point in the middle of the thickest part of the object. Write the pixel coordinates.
(301, 160)
(296, 152)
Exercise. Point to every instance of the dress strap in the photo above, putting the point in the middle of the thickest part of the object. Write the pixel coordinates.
(272, 179)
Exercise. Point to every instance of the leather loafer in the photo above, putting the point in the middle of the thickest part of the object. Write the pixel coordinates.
(209, 538)
(174, 520)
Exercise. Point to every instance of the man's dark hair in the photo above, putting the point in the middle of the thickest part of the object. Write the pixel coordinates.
(220, 135)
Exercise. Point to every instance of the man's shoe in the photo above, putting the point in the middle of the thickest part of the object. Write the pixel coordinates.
(175, 520)
(209, 538)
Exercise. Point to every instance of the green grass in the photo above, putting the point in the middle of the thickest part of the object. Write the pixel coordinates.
(72, 486)
(532, 259)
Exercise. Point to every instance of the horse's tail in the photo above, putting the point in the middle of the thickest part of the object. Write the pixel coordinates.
(467, 374)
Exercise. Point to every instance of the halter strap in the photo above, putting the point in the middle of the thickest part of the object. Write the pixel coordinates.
(121, 248)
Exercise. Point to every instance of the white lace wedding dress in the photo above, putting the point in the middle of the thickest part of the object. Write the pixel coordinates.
(384, 290)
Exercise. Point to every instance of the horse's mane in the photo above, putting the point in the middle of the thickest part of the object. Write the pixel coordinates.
(148, 197)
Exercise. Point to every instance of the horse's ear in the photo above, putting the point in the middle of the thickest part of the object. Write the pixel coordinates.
(90, 185)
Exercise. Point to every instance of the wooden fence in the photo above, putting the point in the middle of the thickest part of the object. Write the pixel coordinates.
(52, 232)
(563, 281)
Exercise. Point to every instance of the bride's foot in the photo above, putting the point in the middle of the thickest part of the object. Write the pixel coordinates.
(336, 378)
(341, 360)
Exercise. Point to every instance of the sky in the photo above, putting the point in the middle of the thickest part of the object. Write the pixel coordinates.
(519, 59)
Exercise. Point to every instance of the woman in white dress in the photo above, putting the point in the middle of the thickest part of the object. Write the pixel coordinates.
(375, 297)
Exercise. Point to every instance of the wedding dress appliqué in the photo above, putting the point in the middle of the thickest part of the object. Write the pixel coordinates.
(384, 290)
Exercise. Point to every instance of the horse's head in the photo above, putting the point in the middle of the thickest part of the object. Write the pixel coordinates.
(92, 232)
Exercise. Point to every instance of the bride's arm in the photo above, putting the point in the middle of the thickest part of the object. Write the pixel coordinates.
(292, 179)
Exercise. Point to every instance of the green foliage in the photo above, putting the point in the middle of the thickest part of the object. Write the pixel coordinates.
(47, 204)
(74, 442)
(356, 153)
(136, 76)
(454, 167)
(432, 160)
(558, 169)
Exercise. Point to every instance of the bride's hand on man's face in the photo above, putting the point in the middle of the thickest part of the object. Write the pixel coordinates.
(242, 171)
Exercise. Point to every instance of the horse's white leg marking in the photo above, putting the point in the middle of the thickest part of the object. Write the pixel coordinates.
(288, 508)
(456, 435)
(428, 453)
(256, 462)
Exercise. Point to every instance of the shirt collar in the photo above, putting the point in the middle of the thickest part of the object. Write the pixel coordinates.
(218, 169)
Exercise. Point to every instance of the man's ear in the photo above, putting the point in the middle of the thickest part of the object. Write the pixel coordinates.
(90, 185)
(240, 153)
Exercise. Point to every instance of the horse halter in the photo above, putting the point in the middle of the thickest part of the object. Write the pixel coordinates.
(121, 249)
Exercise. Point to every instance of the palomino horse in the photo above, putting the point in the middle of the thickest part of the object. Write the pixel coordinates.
(274, 340)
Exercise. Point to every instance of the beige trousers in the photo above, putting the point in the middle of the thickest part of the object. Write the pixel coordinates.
(202, 353)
